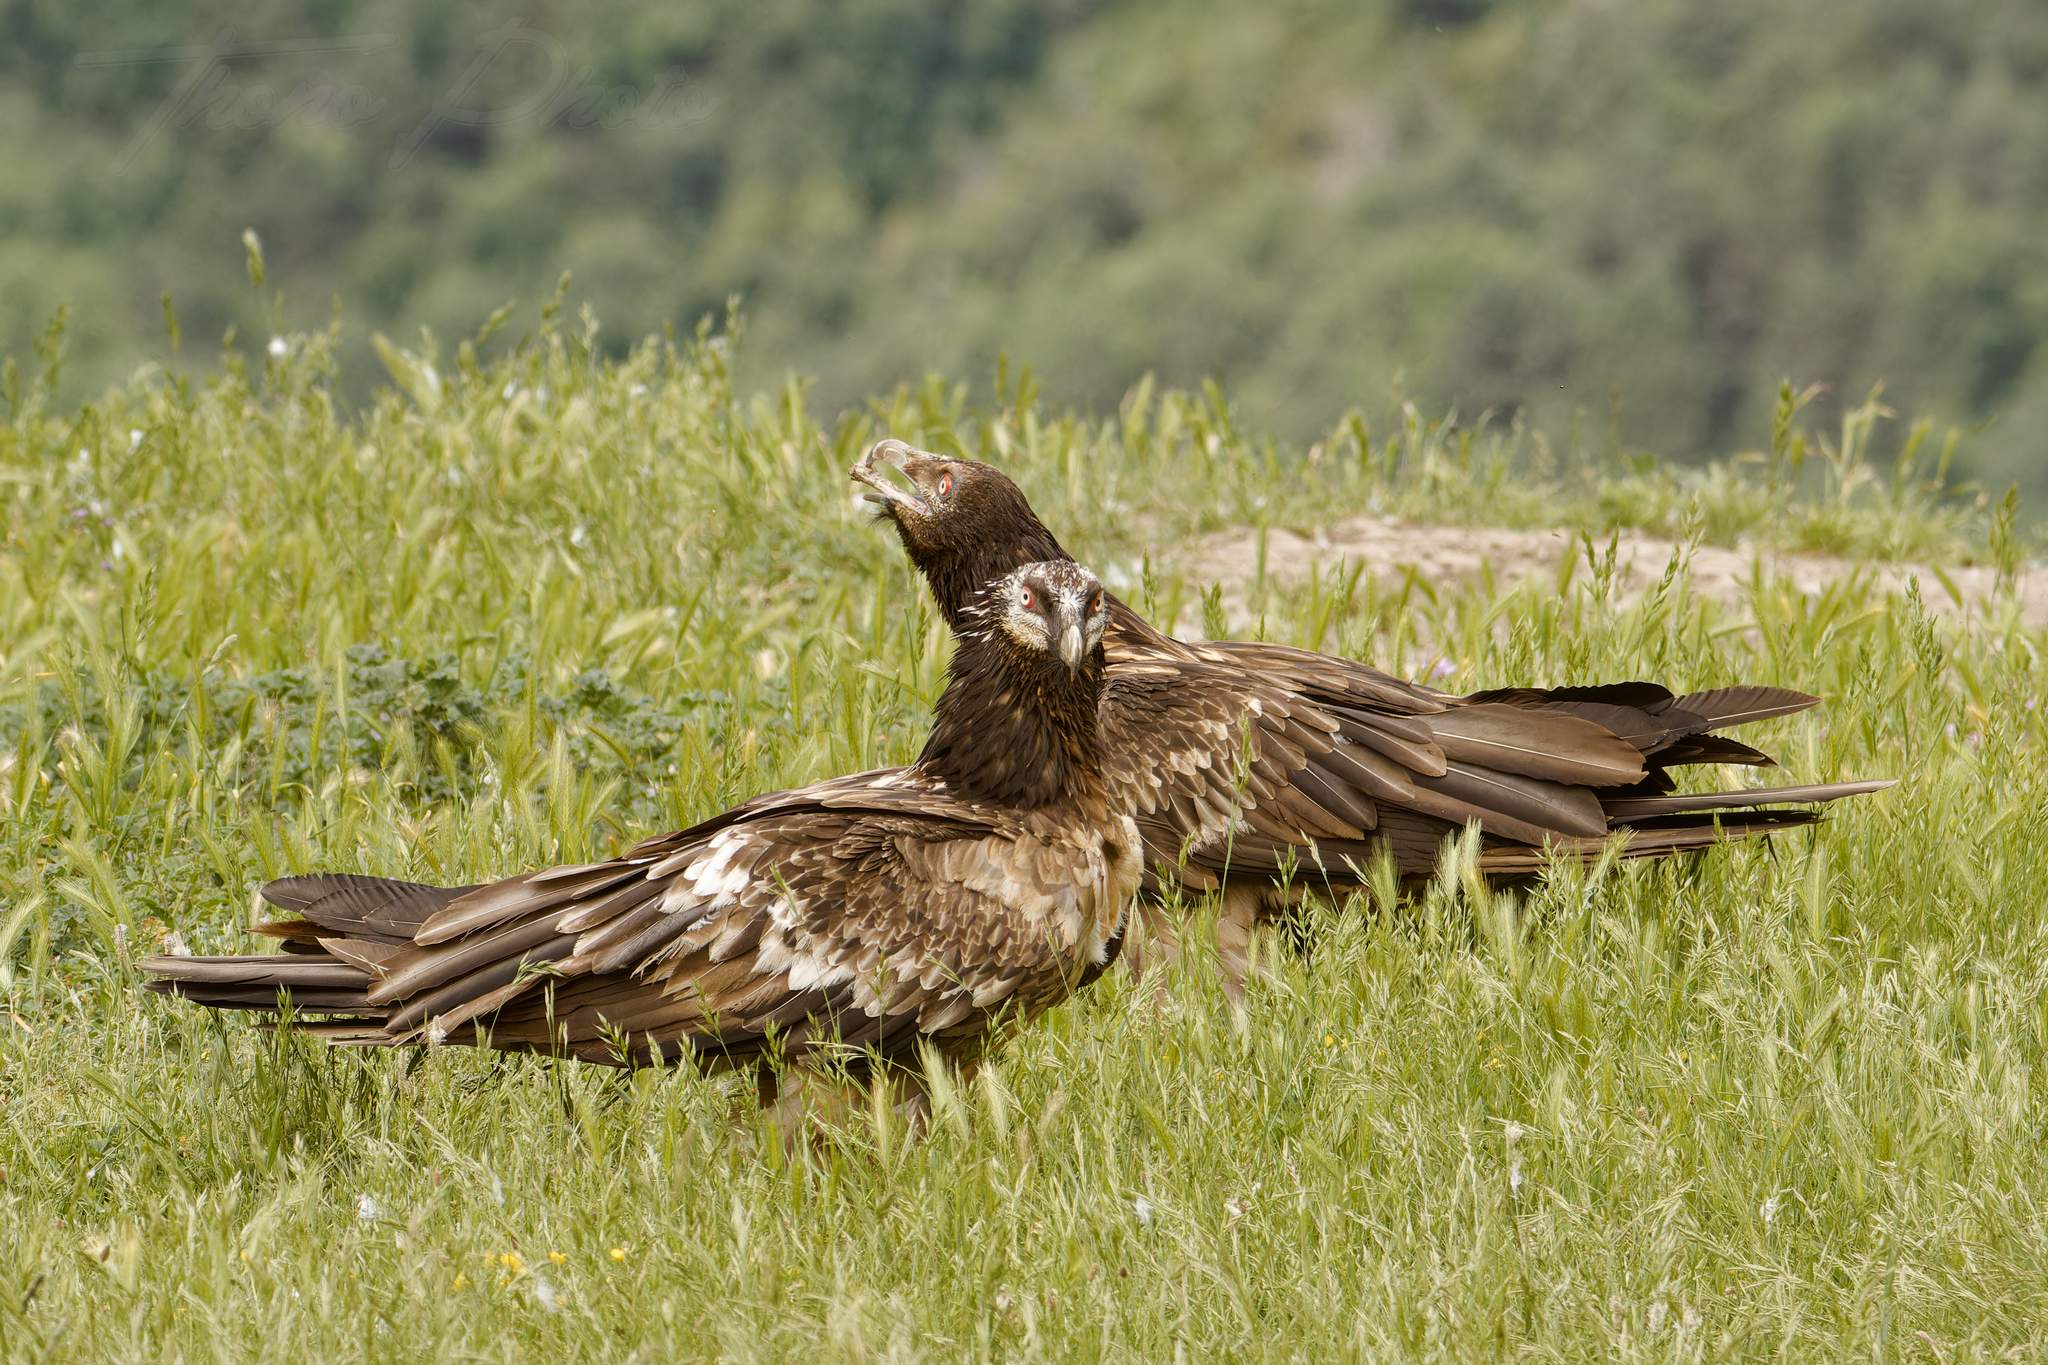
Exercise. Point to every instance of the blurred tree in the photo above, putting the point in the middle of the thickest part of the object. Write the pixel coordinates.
(1646, 213)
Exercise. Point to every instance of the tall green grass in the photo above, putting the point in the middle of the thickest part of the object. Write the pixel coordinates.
(1779, 1101)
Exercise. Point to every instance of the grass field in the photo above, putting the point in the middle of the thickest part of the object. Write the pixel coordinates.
(1783, 1102)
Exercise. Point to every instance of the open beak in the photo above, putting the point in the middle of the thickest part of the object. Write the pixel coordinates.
(887, 491)
(1073, 647)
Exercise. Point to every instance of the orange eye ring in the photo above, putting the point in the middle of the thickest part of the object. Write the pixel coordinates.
(945, 484)
(1030, 600)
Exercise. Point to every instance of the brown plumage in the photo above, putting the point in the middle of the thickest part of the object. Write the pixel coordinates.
(1241, 759)
(880, 911)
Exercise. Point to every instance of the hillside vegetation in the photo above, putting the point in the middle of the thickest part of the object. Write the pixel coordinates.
(1778, 1102)
(1626, 222)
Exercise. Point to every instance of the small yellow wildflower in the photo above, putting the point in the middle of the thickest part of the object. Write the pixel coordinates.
(1329, 1040)
(461, 1282)
(512, 1262)
(618, 1253)
(558, 1257)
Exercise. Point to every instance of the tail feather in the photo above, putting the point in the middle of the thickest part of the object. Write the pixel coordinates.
(330, 957)
(1655, 837)
(256, 980)
(276, 969)
(1631, 810)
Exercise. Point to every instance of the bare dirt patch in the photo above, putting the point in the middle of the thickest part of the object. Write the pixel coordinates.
(1435, 554)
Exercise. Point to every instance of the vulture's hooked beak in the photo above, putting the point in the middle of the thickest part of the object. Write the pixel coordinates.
(887, 491)
(1073, 646)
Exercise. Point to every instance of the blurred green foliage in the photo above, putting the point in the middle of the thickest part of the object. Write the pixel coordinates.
(1627, 222)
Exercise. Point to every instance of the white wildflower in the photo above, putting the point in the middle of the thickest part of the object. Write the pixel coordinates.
(1515, 1176)
(277, 348)
(1768, 1210)
(1143, 1208)
(544, 1292)
(367, 1210)
(437, 1032)
(174, 945)
(637, 391)
(134, 437)
(580, 536)
(1234, 1207)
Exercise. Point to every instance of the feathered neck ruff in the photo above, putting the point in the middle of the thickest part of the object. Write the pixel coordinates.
(1015, 726)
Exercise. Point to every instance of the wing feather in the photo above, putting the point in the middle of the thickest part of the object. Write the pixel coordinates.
(812, 913)
(1235, 752)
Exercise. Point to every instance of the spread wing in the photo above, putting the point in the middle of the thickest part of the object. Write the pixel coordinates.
(871, 910)
(1200, 756)
(1325, 761)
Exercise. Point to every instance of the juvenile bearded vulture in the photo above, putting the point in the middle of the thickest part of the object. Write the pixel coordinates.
(878, 911)
(1241, 760)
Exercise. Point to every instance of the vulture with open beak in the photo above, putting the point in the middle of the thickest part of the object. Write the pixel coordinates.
(1248, 763)
(857, 919)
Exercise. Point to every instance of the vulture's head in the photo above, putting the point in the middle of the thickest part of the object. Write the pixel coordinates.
(963, 522)
(1019, 721)
(1051, 614)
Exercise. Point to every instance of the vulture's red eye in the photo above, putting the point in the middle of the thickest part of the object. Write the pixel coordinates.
(1030, 600)
(945, 484)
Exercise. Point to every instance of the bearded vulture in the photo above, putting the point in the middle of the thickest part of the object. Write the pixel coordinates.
(1245, 763)
(859, 918)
